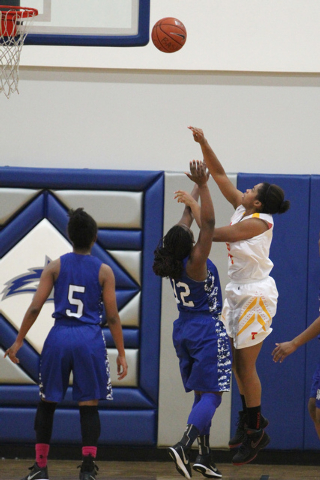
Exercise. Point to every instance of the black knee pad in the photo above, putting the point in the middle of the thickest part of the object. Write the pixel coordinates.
(90, 425)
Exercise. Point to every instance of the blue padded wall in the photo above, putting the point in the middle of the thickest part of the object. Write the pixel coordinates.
(131, 418)
(311, 440)
(283, 385)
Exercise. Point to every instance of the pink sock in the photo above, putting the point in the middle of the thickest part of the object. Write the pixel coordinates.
(42, 451)
(86, 451)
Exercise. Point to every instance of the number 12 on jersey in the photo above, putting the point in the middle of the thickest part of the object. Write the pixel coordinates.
(181, 292)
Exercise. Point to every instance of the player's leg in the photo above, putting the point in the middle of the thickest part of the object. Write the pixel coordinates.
(91, 382)
(52, 385)
(43, 427)
(230, 318)
(314, 413)
(314, 400)
(90, 432)
(317, 422)
(211, 350)
(250, 313)
(255, 437)
(239, 434)
(179, 452)
(244, 363)
(200, 415)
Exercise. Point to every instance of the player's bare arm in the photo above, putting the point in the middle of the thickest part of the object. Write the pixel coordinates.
(187, 215)
(47, 279)
(107, 280)
(229, 191)
(190, 202)
(196, 267)
(240, 231)
(284, 349)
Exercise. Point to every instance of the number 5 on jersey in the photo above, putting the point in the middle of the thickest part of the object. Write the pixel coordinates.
(75, 301)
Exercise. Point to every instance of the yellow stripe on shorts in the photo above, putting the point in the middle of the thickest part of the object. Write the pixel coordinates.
(264, 308)
(252, 304)
(261, 321)
(247, 324)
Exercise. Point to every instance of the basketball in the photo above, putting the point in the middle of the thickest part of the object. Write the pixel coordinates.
(169, 35)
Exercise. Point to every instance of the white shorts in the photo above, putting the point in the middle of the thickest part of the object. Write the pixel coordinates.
(248, 311)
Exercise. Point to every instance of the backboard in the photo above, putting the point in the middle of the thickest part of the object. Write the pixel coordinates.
(88, 22)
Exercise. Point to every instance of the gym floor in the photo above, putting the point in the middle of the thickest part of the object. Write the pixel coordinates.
(11, 469)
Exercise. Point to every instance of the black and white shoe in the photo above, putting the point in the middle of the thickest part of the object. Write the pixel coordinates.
(181, 458)
(37, 473)
(255, 440)
(206, 467)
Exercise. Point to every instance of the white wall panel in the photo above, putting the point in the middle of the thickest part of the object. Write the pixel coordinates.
(223, 35)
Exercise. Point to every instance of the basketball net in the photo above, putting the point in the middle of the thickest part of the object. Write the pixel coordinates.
(14, 26)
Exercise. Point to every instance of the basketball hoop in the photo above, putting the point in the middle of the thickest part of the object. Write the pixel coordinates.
(14, 26)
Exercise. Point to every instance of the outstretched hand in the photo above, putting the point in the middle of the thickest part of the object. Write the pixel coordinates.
(282, 350)
(198, 172)
(198, 134)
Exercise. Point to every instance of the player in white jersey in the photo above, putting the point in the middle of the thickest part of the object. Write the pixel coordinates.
(251, 296)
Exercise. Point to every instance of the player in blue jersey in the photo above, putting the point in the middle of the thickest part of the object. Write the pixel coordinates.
(82, 285)
(199, 336)
(284, 349)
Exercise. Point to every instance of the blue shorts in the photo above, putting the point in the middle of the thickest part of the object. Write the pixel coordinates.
(203, 348)
(315, 387)
(79, 348)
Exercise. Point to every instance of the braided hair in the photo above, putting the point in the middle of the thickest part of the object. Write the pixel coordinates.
(272, 198)
(172, 249)
(82, 228)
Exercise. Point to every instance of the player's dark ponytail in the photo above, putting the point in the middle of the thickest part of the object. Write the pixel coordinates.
(272, 198)
(172, 249)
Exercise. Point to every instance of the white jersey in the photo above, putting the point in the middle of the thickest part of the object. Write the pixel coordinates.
(248, 260)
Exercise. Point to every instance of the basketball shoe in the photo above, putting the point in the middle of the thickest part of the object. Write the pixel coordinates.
(180, 456)
(206, 467)
(240, 432)
(254, 441)
(88, 469)
(37, 473)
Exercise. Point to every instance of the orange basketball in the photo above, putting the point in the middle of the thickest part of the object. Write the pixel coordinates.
(169, 35)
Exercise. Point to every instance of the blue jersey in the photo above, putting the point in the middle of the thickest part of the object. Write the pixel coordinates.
(77, 291)
(193, 296)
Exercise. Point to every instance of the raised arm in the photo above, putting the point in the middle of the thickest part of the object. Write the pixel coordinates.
(192, 208)
(284, 349)
(47, 279)
(196, 266)
(107, 281)
(230, 192)
(191, 201)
